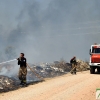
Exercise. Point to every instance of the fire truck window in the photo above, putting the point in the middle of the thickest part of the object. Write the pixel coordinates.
(96, 50)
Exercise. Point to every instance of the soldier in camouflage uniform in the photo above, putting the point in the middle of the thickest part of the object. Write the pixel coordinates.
(73, 65)
(23, 68)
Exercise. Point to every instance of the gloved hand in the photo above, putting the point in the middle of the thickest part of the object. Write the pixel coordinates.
(17, 58)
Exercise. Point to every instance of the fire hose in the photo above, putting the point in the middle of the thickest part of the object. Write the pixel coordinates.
(8, 61)
(78, 67)
(34, 72)
(28, 67)
(74, 68)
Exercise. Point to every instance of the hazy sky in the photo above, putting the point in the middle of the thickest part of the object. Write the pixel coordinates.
(47, 30)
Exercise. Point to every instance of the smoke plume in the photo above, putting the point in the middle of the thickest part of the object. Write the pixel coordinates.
(47, 30)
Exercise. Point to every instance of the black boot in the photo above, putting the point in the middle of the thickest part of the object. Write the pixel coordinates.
(24, 81)
(21, 82)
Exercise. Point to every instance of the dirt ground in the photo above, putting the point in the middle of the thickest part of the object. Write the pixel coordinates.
(67, 87)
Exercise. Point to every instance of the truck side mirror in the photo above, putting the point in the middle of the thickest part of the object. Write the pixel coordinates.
(90, 52)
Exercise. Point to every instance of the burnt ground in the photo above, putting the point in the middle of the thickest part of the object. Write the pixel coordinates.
(12, 83)
(9, 83)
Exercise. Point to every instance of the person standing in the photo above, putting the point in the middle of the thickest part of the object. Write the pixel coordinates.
(73, 65)
(23, 69)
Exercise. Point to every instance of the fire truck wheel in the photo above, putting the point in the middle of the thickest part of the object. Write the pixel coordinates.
(98, 69)
(92, 69)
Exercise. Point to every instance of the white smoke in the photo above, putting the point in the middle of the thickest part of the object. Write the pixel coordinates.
(9, 68)
(3, 71)
(47, 30)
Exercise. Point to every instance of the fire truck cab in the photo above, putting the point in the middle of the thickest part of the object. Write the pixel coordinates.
(94, 58)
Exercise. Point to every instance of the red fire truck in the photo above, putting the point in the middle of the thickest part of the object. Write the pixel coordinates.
(94, 58)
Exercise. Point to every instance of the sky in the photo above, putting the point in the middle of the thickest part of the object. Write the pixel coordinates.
(48, 30)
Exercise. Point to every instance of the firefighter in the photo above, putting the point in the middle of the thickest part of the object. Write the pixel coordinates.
(23, 69)
(73, 65)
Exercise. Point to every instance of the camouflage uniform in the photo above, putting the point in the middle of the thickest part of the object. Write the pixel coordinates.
(22, 70)
(73, 65)
(74, 68)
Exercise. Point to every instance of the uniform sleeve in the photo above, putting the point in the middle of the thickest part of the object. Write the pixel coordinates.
(71, 60)
(19, 61)
(75, 61)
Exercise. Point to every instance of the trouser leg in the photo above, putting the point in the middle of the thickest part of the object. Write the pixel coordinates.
(22, 74)
(73, 69)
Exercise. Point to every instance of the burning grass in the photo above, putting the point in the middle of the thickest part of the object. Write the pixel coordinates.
(11, 82)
